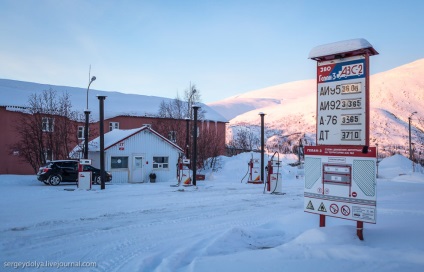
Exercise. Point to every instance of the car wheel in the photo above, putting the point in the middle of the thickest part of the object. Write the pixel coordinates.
(55, 180)
(98, 180)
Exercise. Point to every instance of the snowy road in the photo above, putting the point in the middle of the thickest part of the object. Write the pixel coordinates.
(224, 225)
(131, 227)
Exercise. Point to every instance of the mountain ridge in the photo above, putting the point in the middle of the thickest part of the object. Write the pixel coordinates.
(394, 95)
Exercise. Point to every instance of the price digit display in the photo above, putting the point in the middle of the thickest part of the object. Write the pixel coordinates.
(351, 103)
(349, 135)
(351, 88)
(351, 119)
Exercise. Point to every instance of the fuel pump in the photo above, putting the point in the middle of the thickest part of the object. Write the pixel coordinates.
(183, 172)
(254, 171)
(84, 177)
(274, 183)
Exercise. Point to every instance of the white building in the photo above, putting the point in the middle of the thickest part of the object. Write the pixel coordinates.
(132, 154)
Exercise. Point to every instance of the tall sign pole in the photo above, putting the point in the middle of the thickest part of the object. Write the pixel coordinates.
(194, 157)
(262, 146)
(102, 142)
(340, 171)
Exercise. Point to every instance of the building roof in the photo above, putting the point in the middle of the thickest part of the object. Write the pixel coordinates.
(14, 95)
(118, 135)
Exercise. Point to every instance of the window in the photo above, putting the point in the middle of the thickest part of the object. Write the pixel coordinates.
(47, 124)
(160, 163)
(48, 155)
(80, 132)
(172, 136)
(118, 162)
(69, 165)
(113, 125)
(198, 132)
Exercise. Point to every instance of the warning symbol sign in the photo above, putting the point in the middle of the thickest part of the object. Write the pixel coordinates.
(334, 208)
(322, 208)
(310, 206)
(345, 210)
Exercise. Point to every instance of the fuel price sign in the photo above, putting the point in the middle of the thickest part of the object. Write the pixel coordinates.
(342, 106)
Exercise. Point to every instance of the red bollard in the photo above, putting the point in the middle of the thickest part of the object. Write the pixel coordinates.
(359, 229)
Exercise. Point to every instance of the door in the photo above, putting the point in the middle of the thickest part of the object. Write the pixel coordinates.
(137, 169)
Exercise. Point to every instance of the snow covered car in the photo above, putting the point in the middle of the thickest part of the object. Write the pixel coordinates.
(55, 172)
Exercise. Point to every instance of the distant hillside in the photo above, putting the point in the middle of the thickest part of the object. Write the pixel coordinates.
(291, 108)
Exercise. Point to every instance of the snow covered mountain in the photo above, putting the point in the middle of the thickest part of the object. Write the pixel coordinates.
(290, 109)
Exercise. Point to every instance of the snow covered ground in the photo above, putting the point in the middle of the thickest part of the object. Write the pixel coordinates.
(222, 225)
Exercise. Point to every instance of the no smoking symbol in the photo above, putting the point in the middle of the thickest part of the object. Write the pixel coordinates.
(334, 208)
(345, 210)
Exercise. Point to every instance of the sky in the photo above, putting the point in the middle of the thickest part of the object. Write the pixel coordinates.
(225, 48)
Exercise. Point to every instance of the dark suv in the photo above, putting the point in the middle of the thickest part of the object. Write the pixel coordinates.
(55, 172)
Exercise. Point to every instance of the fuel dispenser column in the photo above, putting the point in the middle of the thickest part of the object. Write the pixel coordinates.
(185, 172)
(84, 177)
(274, 180)
(254, 171)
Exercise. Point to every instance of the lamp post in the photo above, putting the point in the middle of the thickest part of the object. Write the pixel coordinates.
(189, 100)
(410, 150)
(377, 157)
(262, 145)
(194, 157)
(413, 157)
(87, 116)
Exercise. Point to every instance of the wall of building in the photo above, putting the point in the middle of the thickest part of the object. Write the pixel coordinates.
(11, 163)
(147, 145)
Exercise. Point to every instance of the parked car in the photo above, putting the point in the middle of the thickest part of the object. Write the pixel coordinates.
(55, 172)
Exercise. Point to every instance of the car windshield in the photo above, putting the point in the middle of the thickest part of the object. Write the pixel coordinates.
(88, 168)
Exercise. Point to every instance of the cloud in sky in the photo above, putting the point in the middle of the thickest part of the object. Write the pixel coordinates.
(224, 47)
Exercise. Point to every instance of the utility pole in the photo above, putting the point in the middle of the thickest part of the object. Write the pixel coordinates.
(410, 149)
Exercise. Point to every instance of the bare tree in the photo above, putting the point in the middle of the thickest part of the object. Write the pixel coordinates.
(173, 116)
(46, 128)
(208, 147)
(244, 139)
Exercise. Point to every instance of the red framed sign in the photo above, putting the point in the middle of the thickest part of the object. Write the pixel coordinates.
(341, 182)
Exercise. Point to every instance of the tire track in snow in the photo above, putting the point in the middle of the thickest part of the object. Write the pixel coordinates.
(142, 238)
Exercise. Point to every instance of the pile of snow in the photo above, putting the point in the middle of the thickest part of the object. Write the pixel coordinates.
(222, 225)
(400, 168)
(395, 166)
(339, 47)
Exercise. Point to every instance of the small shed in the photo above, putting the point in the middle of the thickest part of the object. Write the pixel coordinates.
(132, 154)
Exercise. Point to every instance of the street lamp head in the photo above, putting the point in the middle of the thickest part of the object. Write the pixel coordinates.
(92, 79)
(412, 114)
(195, 106)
